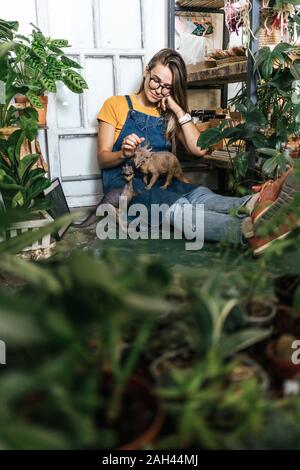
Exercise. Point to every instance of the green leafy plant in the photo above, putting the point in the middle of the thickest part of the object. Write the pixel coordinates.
(32, 66)
(8, 30)
(268, 124)
(39, 62)
(212, 313)
(20, 183)
(56, 398)
(210, 411)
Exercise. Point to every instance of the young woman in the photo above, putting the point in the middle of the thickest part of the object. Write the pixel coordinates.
(158, 114)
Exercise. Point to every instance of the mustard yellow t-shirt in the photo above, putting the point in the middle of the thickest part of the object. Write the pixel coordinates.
(115, 109)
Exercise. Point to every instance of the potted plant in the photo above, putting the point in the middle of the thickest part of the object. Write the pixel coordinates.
(209, 409)
(38, 63)
(279, 352)
(21, 184)
(246, 368)
(285, 287)
(9, 117)
(260, 311)
(213, 320)
(287, 320)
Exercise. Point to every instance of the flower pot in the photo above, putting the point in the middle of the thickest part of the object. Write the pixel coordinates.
(285, 287)
(282, 367)
(268, 34)
(162, 366)
(294, 146)
(247, 368)
(260, 312)
(287, 320)
(136, 390)
(42, 112)
(138, 403)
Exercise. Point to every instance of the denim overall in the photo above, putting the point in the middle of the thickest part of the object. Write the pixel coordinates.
(152, 129)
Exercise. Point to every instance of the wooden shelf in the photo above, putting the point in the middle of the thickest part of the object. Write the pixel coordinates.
(218, 161)
(224, 74)
(209, 4)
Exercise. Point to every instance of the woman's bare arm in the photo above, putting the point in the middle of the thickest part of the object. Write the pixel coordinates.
(107, 158)
(189, 136)
(189, 133)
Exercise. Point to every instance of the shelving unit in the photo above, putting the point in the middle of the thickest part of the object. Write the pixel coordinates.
(219, 77)
(199, 6)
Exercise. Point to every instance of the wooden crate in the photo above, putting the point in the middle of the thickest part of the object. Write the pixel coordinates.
(30, 225)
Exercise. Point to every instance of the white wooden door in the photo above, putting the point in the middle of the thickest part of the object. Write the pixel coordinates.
(112, 40)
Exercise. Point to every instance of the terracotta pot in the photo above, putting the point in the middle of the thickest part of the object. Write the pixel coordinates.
(136, 386)
(285, 287)
(294, 146)
(42, 112)
(150, 434)
(283, 368)
(287, 320)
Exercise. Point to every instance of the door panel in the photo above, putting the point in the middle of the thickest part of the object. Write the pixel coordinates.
(120, 24)
(72, 19)
(100, 77)
(79, 156)
(131, 70)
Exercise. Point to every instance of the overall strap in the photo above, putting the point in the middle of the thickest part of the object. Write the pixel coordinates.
(129, 102)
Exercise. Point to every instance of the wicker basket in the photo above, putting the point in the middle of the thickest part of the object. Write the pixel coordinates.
(201, 3)
(264, 38)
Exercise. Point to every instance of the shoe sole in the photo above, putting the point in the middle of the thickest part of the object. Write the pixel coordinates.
(262, 248)
(285, 197)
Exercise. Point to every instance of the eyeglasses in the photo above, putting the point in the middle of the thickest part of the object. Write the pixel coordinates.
(155, 83)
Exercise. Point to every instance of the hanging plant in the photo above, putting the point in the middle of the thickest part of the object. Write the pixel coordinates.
(237, 14)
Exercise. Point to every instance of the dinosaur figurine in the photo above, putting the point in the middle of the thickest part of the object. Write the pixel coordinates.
(156, 164)
(112, 197)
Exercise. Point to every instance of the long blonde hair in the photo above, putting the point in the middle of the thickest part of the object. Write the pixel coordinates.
(173, 60)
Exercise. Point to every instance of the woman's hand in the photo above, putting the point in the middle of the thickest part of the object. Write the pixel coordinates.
(168, 102)
(129, 145)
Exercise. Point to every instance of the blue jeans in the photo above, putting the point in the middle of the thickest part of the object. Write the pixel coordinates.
(218, 223)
